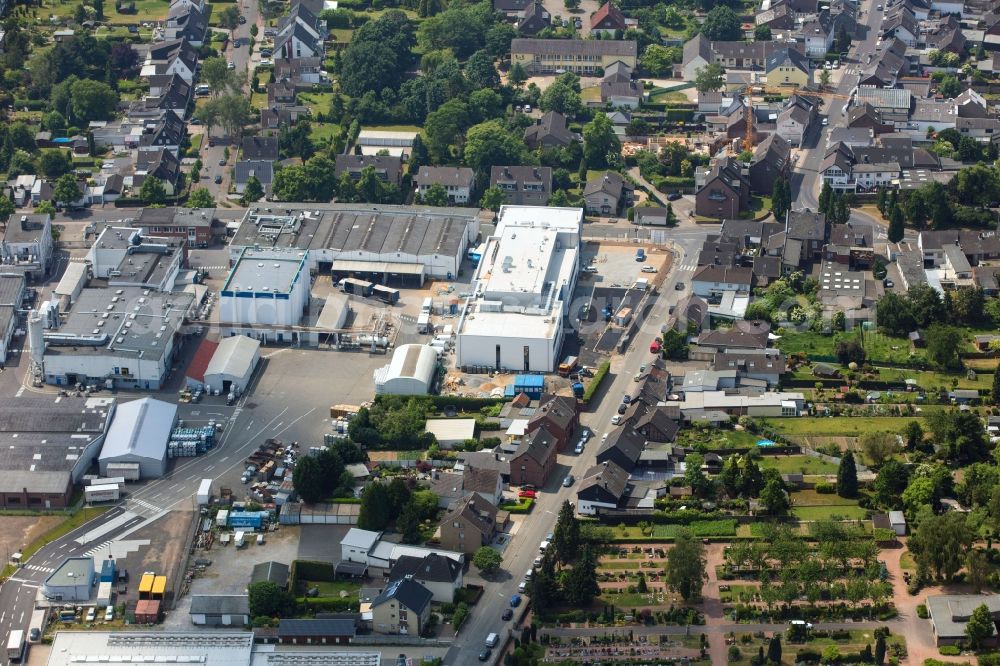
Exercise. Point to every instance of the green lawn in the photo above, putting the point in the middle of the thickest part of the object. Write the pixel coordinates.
(669, 96)
(318, 102)
(813, 498)
(840, 426)
(323, 132)
(878, 346)
(343, 35)
(332, 588)
(392, 128)
(845, 512)
(591, 94)
(145, 10)
(716, 438)
(798, 465)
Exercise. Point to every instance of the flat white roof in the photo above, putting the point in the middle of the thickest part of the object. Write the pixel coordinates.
(522, 263)
(449, 430)
(359, 538)
(720, 400)
(269, 270)
(207, 648)
(563, 219)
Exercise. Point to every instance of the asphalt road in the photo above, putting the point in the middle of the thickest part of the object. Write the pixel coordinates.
(519, 554)
(806, 182)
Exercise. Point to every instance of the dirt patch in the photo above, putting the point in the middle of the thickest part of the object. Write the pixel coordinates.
(164, 555)
(16, 532)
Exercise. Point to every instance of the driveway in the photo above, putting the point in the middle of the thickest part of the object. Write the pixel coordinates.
(586, 8)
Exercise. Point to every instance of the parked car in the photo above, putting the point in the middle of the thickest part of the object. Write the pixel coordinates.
(616, 419)
(231, 65)
(109, 613)
(507, 614)
(579, 449)
(243, 19)
(673, 196)
(568, 481)
(655, 346)
(91, 614)
(522, 586)
(648, 269)
(679, 286)
(485, 654)
(515, 601)
(218, 179)
(530, 494)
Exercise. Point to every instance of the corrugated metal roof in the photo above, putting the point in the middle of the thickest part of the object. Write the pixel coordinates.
(142, 428)
(234, 356)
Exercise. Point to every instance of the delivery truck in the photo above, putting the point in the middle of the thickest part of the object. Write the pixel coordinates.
(205, 492)
(16, 645)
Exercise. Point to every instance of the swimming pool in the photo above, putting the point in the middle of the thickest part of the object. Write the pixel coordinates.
(765, 443)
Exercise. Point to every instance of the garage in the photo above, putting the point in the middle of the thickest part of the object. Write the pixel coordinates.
(232, 364)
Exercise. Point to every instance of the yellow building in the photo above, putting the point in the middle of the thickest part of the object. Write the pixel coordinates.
(580, 56)
(787, 67)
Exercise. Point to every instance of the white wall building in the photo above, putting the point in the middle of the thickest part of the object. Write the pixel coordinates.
(232, 364)
(267, 289)
(124, 256)
(27, 243)
(411, 371)
(525, 280)
(138, 435)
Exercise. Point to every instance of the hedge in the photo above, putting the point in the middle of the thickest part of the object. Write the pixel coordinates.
(523, 505)
(459, 402)
(333, 604)
(311, 571)
(595, 381)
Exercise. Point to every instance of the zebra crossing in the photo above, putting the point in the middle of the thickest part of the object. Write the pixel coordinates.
(93, 551)
(38, 567)
(143, 507)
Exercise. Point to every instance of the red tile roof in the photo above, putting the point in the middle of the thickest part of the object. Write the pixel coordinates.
(202, 357)
(608, 11)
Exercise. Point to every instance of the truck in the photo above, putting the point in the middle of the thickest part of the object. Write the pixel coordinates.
(567, 366)
(386, 294)
(578, 389)
(239, 540)
(205, 492)
(102, 493)
(427, 306)
(424, 323)
(356, 287)
(16, 645)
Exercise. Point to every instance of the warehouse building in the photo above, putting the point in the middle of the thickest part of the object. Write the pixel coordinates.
(71, 581)
(207, 648)
(128, 335)
(411, 371)
(523, 284)
(233, 364)
(125, 257)
(220, 610)
(138, 437)
(73, 280)
(11, 295)
(46, 446)
(266, 294)
(402, 245)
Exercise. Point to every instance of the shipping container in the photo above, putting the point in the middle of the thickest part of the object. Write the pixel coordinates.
(104, 590)
(222, 518)
(356, 287)
(107, 571)
(102, 493)
(424, 323)
(159, 587)
(251, 519)
(98, 481)
(146, 585)
(147, 611)
(205, 492)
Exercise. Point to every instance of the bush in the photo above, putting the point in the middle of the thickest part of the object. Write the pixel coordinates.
(824, 488)
(734, 653)
(312, 571)
(461, 613)
(950, 650)
(595, 381)
(922, 612)
(989, 659)
(332, 605)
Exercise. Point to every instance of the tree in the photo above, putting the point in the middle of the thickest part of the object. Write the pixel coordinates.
(517, 76)
(216, 74)
(940, 543)
(709, 78)
(443, 128)
(266, 599)
(774, 650)
(378, 56)
(722, 24)
(201, 198)
(894, 314)
(480, 71)
(774, 498)
(943, 343)
(580, 586)
(890, 482)
(980, 626)
(847, 476)
(781, 198)
(601, 146)
(879, 446)
(685, 573)
(408, 524)
(308, 478)
(229, 18)
(487, 560)
(376, 508)
(67, 190)
(880, 649)
(54, 163)
(490, 144)
(950, 86)
(762, 33)
(92, 100)
(562, 95)
(977, 570)
(566, 535)
(46, 207)
(252, 192)
(896, 224)
(152, 191)
(959, 436)
(824, 77)
(492, 199)
(6, 208)
(657, 60)
(995, 395)
(435, 195)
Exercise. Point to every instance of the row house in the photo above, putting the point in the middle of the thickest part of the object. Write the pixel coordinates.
(725, 191)
(700, 51)
(580, 56)
(523, 185)
(176, 56)
(796, 118)
(458, 182)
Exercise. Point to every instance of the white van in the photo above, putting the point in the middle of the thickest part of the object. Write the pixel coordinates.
(492, 640)
(542, 546)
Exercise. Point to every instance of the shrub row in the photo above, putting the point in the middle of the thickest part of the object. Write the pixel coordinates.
(312, 571)
(595, 381)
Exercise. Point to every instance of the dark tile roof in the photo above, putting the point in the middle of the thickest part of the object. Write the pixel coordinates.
(629, 443)
(220, 604)
(275, 572)
(432, 567)
(539, 444)
(608, 477)
(409, 593)
(319, 627)
(260, 148)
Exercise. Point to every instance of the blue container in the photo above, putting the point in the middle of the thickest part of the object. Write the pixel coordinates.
(108, 571)
(253, 519)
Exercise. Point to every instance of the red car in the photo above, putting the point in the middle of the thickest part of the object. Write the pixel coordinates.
(655, 347)
(528, 493)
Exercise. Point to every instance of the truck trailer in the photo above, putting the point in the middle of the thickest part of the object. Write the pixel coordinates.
(205, 492)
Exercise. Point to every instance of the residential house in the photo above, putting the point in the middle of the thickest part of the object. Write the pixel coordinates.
(607, 194)
(535, 19)
(603, 486)
(388, 168)
(725, 192)
(186, 20)
(262, 170)
(700, 51)
(469, 525)
(298, 35)
(887, 65)
(522, 185)
(851, 244)
(778, 17)
(618, 89)
(810, 230)
(944, 34)
(866, 116)
(654, 424)
(282, 93)
(512, 9)
(276, 117)
(607, 21)
(458, 182)
(796, 118)
(175, 56)
(535, 459)
(711, 282)
(260, 148)
(650, 216)
(558, 415)
(161, 163)
(981, 129)
(743, 335)
(580, 56)
(771, 161)
(765, 365)
(168, 132)
(550, 131)
(403, 607)
(485, 482)
(169, 92)
(192, 224)
(622, 447)
(787, 67)
(440, 575)
(971, 104)
(27, 244)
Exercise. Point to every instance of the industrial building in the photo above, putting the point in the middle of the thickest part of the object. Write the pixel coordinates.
(74, 279)
(138, 437)
(410, 372)
(525, 280)
(46, 446)
(384, 244)
(27, 244)
(220, 610)
(233, 364)
(266, 294)
(125, 257)
(126, 337)
(11, 295)
(71, 581)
